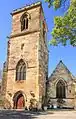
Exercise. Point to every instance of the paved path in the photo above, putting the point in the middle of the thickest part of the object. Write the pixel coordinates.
(59, 115)
(7, 114)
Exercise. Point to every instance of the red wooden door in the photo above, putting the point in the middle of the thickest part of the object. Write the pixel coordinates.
(20, 103)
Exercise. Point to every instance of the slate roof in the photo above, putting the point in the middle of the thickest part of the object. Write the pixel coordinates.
(62, 66)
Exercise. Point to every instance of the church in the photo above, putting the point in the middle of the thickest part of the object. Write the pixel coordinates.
(60, 87)
(25, 72)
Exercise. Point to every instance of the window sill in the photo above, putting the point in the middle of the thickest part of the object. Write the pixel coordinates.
(20, 81)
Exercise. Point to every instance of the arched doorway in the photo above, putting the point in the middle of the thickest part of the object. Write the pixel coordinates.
(60, 89)
(19, 102)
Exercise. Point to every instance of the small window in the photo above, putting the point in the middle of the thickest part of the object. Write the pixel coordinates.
(22, 46)
(24, 22)
(69, 91)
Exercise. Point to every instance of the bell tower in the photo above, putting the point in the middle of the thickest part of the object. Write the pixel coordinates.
(27, 57)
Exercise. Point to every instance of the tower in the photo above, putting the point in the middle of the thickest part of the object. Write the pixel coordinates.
(27, 56)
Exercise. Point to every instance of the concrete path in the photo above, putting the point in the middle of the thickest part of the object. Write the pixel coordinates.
(59, 115)
(12, 114)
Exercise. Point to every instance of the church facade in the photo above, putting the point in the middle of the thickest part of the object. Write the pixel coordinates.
(25, 72)
(60, 87)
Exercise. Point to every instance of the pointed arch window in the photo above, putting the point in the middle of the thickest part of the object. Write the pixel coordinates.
(21, 70)
(60, 89)
(24, 22)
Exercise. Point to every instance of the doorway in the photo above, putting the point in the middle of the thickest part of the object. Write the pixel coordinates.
(19, 102)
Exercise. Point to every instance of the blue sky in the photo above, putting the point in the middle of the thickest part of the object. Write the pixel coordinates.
(66, 54)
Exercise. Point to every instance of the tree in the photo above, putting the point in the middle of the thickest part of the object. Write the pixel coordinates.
(65, 27)
(55, 3)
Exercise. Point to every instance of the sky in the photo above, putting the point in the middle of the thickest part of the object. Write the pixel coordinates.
(66, 54)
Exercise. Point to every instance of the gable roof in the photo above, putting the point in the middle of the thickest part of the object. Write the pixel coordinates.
(61, 66)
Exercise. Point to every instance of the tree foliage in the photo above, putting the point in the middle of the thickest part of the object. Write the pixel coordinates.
(65, 27)
(55, 3)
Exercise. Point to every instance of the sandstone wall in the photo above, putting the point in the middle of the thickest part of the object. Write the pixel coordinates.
(29, 55)
(34, 53)
(33, 23)
(61, 73)
(43, 59)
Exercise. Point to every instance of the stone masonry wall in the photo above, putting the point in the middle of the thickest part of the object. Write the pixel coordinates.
(33, 23)
(43, 60)
(29, 54)
(34, 53)
(61, 73)
(4, 79)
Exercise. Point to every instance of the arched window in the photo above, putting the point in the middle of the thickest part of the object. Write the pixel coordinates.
(60, 89)
(24, 22)
(21, 70)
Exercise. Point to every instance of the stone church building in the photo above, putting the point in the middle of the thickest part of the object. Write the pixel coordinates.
(60, 87)
(25, 73)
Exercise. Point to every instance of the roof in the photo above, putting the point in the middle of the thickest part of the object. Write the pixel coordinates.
(26, 7)
(61, 64)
